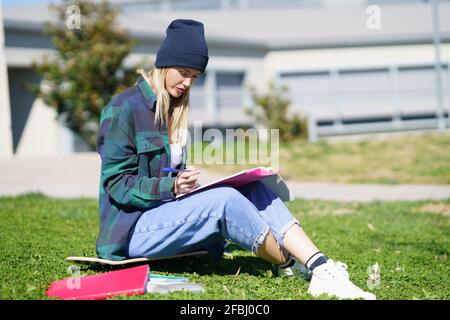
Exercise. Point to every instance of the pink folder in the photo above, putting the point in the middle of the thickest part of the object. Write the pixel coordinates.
(129, 281)
(268, 176)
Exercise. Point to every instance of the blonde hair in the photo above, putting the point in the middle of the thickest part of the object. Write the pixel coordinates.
(171, 111)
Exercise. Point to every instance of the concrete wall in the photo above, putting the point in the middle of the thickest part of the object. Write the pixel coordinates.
(34, 127)
(6, 144)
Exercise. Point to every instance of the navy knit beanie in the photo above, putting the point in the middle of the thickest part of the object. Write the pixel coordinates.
(184, 46)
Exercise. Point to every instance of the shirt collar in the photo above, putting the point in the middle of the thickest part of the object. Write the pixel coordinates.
(147, 92)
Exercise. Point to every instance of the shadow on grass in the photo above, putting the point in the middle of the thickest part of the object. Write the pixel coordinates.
(201, 265)
(249, 265)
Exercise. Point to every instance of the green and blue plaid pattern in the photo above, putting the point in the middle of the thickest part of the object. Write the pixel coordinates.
(133, 151)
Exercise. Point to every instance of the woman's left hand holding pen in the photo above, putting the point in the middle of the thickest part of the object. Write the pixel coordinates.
(187, 180)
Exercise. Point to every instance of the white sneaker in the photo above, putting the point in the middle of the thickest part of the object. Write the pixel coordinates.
(332, 278)
(298, 269)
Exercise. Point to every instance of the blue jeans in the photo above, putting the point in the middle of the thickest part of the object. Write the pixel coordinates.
(204, 220)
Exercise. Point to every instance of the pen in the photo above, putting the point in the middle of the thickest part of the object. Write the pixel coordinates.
(174, 170)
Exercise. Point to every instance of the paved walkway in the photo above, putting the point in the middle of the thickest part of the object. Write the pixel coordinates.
(78, 176)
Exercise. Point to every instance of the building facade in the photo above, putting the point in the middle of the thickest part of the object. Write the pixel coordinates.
(365, 66)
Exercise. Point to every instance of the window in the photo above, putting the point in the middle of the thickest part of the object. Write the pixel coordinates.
(197, 96)
(310, 92)
(365, 93)
(229, 89)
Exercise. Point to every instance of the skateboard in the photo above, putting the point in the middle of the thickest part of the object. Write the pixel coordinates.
(106, 262)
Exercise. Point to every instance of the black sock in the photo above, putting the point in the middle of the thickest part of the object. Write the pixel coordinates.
(316, 260)
(289, 263)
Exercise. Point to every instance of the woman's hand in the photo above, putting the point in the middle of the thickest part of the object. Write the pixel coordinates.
(186, 181)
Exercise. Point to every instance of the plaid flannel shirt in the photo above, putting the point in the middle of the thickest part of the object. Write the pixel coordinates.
(133, 151)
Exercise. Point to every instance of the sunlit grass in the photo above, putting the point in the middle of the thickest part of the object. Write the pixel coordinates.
(409, 241)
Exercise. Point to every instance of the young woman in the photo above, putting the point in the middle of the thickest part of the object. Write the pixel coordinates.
(143, 130)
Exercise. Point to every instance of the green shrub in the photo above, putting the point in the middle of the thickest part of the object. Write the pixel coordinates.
(272, 112)
(87, 68)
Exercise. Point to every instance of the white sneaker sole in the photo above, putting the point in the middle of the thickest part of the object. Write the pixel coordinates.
(317, 292)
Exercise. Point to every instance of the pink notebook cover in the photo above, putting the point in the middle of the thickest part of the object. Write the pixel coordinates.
(238, 179)
(129, 281)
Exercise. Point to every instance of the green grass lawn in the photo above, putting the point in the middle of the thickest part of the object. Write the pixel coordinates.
(409, 159)
(409, 240)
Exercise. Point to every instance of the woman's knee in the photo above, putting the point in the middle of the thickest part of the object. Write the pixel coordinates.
(228, 195)
(234, 208)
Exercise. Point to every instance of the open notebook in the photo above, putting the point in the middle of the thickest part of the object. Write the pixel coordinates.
(266, 175)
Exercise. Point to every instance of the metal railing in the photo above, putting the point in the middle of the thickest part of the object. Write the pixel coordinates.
(359, 112)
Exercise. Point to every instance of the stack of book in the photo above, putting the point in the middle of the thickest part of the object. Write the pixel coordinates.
(130, 281)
